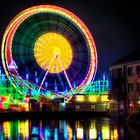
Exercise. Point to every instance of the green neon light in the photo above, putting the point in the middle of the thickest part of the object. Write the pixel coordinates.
(99, 87)
(6, 105)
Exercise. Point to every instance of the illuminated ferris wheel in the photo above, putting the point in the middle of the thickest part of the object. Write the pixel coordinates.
(50, 47)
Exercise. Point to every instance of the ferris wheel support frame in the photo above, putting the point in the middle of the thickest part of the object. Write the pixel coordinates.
(46, 74)
(65, 73)
(56, 57)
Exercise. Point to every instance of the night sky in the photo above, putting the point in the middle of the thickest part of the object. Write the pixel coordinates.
(114, 24)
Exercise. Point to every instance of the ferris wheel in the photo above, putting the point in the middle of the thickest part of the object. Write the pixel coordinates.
(50, 47)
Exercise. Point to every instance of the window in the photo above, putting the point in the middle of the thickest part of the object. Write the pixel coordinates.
(138, 70)
(130, 87)
(120, 72)
(138, 86)
(92, 106)
(130, 71)
(77, 106)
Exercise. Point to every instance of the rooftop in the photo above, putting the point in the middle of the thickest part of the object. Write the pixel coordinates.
(132, 57)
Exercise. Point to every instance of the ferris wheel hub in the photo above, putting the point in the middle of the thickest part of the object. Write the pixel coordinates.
(56, 51)
(56, 55)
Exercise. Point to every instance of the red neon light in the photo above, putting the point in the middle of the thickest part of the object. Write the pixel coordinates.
(131, 105)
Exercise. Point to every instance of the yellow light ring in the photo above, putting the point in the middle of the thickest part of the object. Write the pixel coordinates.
(14, 24)
(56, 45)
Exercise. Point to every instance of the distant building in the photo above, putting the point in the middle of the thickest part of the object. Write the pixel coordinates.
(83, 102)
(125, 76)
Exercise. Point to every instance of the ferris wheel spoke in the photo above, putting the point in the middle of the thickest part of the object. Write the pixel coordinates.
(31, 28)
(41, 29)
(80, 61)
(81, 51)
(21, 44)
(21, 33)
(42, 41)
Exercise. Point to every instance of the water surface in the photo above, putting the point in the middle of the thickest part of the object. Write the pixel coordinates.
(92, 129)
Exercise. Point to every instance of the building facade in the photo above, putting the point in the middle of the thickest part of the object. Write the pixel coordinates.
(125, 76)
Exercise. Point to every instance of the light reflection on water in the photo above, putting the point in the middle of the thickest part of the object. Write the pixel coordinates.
(94, 129)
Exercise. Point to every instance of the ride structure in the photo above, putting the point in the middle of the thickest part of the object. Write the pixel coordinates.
(51, 48)
(48, 51)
